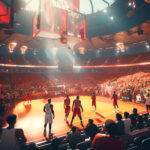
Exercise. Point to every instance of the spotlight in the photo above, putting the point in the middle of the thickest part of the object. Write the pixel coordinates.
(81, 50)
(130, 4)
(120, 47)
(12, 46)
(147, 45)
(23, 49)
(111, 18)
(134, 6)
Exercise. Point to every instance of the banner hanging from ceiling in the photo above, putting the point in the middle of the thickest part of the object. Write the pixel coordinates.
(6, 13)
(55, 22)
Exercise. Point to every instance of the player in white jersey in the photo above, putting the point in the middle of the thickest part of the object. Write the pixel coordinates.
(49, 116)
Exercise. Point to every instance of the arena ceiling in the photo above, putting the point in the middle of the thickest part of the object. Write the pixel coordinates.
(126, 36)
(85, 6)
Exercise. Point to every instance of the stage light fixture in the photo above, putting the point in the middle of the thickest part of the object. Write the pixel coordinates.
(23, 49)
(130, 4)
(81, 50)
(120, 47)
(147, 45)
(111, 18)
(12, 46)
(134, 6)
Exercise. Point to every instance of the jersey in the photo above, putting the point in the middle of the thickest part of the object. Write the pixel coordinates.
(48, 113)
(115, 98)
(93, 97)
(77, 104)
(8, 140)
(67, 102)
(48, 108)
(147, 100)
(67, 106)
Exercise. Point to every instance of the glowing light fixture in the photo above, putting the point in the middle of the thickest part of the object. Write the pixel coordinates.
(81, 50)
(120, 47)
(147, 45)
(12, 46)
(130, 4)
(111, 18)
(23, 49)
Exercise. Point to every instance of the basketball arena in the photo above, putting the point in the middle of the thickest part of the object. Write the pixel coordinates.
(74, 75)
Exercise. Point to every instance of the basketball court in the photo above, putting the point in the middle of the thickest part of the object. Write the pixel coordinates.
(31, 117)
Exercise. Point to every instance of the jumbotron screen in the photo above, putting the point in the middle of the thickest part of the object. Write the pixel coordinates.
(53, 20)
(6, 13)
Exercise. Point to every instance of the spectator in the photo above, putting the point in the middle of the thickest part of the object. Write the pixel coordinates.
(120, 125)
(55, 143)
(91, 129)
(12, 138)
(32, 146)
(109, 141)
(74, 137)
(133, 118)
(2, 108)
(127, 123)
(1, 125)
(140, 123)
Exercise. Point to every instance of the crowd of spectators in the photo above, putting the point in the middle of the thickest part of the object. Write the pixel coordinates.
(116, 134)
(32, 86)
(132, 87)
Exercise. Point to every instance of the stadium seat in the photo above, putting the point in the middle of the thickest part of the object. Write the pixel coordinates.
(138, 140)
(133, 148)
(145, 144)
(84, 145)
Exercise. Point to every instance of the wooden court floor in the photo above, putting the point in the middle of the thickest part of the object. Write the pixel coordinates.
(31, 118)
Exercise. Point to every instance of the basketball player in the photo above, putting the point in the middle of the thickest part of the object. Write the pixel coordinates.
(93, 97)
(67, 107)
(147, 102)
(49, 116)
(29, 98)
(115, 100)
(76, 109)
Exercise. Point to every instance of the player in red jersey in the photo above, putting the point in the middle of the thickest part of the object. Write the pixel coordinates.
(93, 97)
(67, 107)
(76, 108)
(115, 100)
